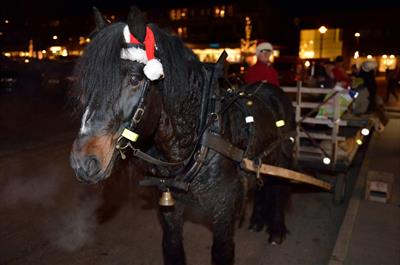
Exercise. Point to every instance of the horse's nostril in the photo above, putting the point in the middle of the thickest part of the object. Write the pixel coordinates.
(92, 165)
(81, 174)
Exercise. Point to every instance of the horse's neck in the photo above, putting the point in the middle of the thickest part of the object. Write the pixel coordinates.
(178, 127)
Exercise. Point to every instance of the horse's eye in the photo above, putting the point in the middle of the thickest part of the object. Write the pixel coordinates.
(134, 81)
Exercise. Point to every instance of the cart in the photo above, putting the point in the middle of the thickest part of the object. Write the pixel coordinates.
(327, 144)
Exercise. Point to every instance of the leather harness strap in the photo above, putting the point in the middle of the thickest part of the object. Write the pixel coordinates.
(220, 145)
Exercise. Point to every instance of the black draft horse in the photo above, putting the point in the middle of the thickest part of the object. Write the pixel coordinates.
(170, 127)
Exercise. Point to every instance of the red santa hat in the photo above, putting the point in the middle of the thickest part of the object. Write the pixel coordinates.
(153, 68)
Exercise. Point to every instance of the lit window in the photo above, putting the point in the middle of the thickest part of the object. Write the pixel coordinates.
(82, 40)
(182, 32)
(219, 11)
(178, 14)
(216, 11)
(172, 14)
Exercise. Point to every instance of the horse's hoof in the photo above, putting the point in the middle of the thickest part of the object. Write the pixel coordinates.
(275, 240)
(277, 237)
(256, 227)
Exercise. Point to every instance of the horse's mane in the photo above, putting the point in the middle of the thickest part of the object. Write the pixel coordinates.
(185, 75)
(98, 69)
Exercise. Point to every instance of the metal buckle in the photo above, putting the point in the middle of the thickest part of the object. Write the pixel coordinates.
(259, 180)
(121, 148)
(138, 115)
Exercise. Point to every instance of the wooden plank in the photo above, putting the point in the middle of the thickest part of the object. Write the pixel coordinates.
(309, 105)
(323, 121)
(321, 136)
(335, 128)
(310, 90)
(298, 117)
(285, 173)
(311, 149)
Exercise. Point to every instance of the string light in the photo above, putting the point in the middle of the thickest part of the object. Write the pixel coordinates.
(365, 131)
(326, 160)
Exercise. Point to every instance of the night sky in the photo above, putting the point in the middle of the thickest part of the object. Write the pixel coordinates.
(70, 8)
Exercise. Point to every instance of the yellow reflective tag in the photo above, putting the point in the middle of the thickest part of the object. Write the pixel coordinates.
(280, 123)
(130, 135)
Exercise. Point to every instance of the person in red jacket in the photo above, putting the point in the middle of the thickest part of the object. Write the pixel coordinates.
(263, 70)
(339, 73)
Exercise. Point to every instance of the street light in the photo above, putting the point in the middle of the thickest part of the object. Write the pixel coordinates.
(357, 35)
(322, 30)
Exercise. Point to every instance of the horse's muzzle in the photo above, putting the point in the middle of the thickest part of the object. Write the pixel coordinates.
(86, 168)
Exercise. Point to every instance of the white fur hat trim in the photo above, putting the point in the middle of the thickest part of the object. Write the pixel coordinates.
(134, 54)
(153, 70)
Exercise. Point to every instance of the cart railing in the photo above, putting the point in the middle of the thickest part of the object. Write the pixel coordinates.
(329, 158)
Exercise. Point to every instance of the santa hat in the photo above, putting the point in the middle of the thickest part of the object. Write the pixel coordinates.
(153, 68)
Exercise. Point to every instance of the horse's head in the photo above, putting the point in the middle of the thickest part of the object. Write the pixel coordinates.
(115, 74)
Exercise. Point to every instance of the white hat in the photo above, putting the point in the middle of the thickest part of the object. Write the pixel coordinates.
(263, 46)
(369, 65)
(153, 68)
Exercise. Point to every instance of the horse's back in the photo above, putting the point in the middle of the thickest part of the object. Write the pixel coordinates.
(269, 104)
(276, 100)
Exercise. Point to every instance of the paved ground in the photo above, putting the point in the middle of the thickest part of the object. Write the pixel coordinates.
(370, 233)
(49, 218)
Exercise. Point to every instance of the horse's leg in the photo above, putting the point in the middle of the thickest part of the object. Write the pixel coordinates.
(277, 198)
(223, 248)
(257, 220)
(172, 244)
(277, 194)
(225, 207)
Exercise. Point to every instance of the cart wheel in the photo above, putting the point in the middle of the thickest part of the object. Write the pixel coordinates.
(340, 189)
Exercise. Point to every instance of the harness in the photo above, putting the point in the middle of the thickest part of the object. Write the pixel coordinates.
(213, 107)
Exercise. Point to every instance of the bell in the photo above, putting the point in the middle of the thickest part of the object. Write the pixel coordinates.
(166, 199)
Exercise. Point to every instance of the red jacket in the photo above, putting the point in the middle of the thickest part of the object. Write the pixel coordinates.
(261, 72)
(341, 76)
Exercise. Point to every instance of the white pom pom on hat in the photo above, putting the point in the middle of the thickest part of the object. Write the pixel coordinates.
(153, 68)
(369, 65)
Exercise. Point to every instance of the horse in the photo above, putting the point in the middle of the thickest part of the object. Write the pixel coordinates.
(143, 93)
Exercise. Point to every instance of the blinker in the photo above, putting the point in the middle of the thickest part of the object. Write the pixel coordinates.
(280, 123)
(131, 136)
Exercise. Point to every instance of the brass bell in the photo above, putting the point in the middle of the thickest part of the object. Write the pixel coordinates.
(166, 199)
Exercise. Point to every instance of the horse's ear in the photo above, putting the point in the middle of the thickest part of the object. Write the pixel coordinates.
(99, 19)
(137, 23)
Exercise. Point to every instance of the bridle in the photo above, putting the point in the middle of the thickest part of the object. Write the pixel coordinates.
(128, 133)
